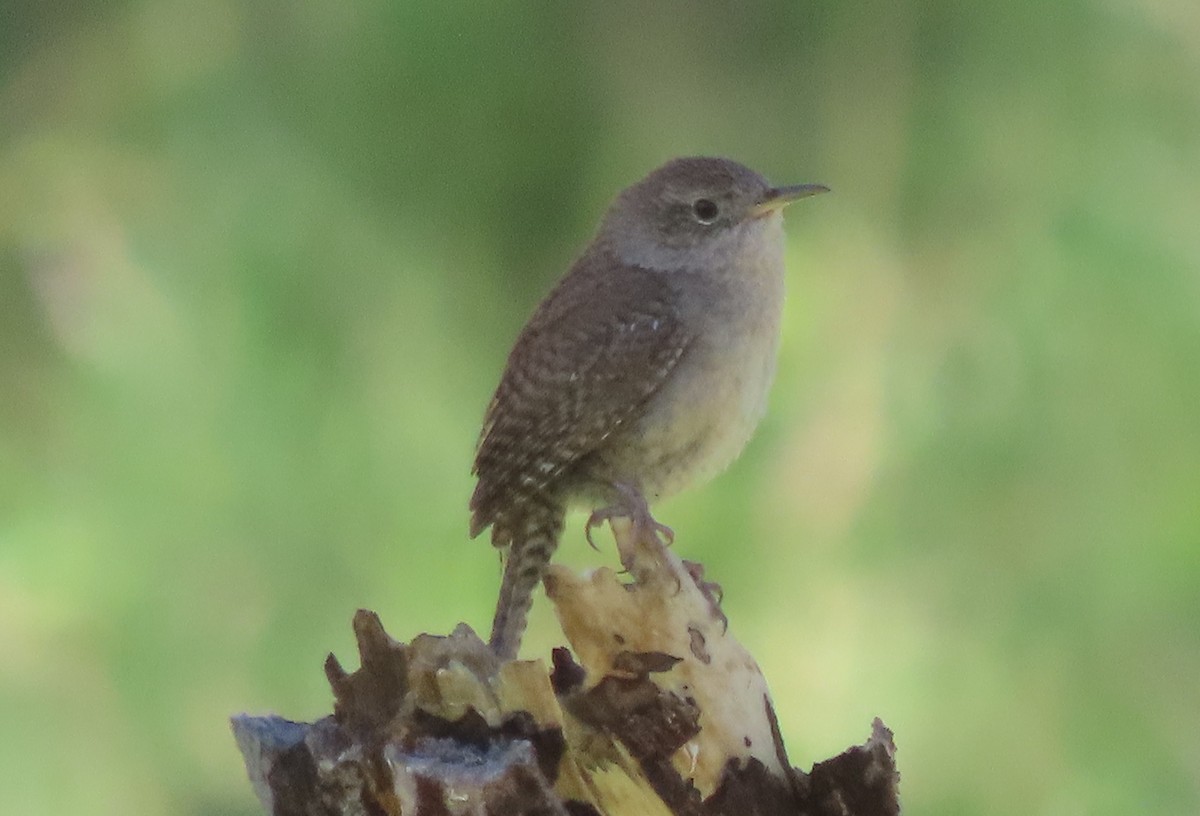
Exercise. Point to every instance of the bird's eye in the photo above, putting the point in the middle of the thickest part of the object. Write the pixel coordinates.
(706, 210)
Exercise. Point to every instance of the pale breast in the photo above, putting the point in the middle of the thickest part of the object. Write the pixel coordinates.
(704, 416)
(703, 420)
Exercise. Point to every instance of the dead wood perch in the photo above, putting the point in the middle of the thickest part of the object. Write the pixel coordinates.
(660, 711)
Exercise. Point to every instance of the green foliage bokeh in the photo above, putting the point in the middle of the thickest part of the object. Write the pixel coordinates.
(260, 264)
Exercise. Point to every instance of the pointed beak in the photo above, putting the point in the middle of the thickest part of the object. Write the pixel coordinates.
(779, 197)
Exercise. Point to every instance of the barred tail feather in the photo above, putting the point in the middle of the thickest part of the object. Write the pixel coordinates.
(534, 537)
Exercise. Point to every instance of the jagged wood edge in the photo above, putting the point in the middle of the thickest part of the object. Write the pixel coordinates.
(423, 728)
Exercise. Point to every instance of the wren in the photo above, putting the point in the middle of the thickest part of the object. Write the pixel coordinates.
(643, 372)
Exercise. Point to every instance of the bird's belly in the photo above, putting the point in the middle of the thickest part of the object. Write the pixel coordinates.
(702, 419)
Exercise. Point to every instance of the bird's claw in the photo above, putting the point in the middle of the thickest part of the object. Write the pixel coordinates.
(657, 529)
(644, 526)
(596, 519)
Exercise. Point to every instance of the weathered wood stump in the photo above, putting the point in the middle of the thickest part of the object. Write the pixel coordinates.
(656, 709)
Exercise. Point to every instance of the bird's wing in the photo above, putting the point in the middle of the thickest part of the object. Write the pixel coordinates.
(593, 353)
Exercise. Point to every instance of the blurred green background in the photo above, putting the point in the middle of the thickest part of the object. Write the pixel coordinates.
(261, 262)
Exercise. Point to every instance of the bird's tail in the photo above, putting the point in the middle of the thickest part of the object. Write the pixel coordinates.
(534, 536)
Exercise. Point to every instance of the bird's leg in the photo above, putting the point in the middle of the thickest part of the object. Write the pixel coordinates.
(631, 504)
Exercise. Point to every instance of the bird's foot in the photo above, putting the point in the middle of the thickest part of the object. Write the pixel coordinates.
(633, 506)
(711, 590)
(644, 525)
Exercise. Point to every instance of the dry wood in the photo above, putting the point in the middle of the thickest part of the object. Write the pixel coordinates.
(656, 709)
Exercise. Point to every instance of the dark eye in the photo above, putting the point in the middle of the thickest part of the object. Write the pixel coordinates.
(706, 211)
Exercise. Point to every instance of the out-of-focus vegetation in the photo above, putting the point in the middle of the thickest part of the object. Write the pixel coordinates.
(260, 264)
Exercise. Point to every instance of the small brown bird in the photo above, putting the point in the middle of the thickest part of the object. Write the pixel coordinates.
(645, 370)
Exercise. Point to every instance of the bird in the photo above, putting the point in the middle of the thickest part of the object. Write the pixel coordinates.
(643, 372)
